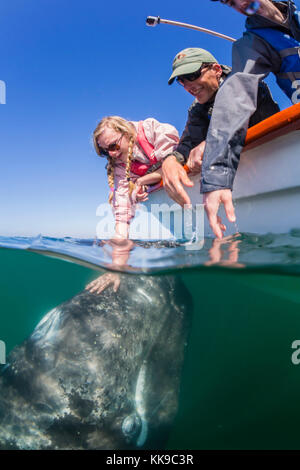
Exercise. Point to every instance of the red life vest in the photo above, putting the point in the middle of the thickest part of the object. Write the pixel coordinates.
(137, 167)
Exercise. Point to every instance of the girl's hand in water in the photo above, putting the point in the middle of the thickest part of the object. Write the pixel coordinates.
(101, 283)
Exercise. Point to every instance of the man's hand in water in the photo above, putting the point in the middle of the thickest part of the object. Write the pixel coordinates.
(212, 201)
(101, 283)
(174, 177)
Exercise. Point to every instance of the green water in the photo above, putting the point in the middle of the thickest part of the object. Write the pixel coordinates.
(30, 286)
(239, 388)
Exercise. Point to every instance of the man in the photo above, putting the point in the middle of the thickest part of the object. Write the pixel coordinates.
(200, 74)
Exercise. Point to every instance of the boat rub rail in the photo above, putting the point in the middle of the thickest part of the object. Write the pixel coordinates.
(275, 126)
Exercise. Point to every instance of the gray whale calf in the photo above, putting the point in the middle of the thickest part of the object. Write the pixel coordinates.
(99, 371)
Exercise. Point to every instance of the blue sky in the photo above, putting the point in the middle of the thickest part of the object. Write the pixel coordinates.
(66, 64)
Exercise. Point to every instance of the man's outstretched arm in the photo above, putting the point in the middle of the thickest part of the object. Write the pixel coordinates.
(235, 103)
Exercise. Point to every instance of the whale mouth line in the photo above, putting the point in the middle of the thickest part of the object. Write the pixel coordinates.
(140, 404)
(143, 434)
(137, 420)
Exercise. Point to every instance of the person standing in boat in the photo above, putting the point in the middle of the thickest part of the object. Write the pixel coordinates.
(270, 44)
(199, 72)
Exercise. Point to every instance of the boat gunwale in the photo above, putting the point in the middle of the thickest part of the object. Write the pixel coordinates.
(279, 124)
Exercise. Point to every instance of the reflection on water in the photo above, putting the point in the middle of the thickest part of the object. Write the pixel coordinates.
(270, 251)
(225, 252)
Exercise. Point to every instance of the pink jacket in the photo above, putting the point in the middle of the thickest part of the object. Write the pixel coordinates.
(164, 138)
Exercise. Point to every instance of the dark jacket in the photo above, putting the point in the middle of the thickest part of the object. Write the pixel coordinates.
(289, 10)
(199, 118)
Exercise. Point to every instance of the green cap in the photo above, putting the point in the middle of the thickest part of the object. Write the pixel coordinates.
(189, 61)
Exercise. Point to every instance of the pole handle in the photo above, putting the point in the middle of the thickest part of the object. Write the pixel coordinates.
(154, 20)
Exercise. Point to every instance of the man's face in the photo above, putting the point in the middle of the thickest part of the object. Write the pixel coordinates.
(204, 87)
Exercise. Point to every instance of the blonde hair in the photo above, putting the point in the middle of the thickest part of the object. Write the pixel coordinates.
(127, 130)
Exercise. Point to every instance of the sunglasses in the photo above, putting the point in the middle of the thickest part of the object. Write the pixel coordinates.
(191, 77)
(110, 148)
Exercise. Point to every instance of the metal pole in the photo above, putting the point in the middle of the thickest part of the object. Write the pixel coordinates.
(154, 20)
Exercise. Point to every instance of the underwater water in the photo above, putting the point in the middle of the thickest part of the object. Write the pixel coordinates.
(239, 384)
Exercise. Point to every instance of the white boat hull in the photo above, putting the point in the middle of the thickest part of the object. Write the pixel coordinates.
(266, 197)
(266, 189)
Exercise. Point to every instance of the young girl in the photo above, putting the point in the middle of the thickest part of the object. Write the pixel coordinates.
(134, 151)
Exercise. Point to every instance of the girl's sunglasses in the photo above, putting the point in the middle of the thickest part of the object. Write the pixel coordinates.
(110, 148)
